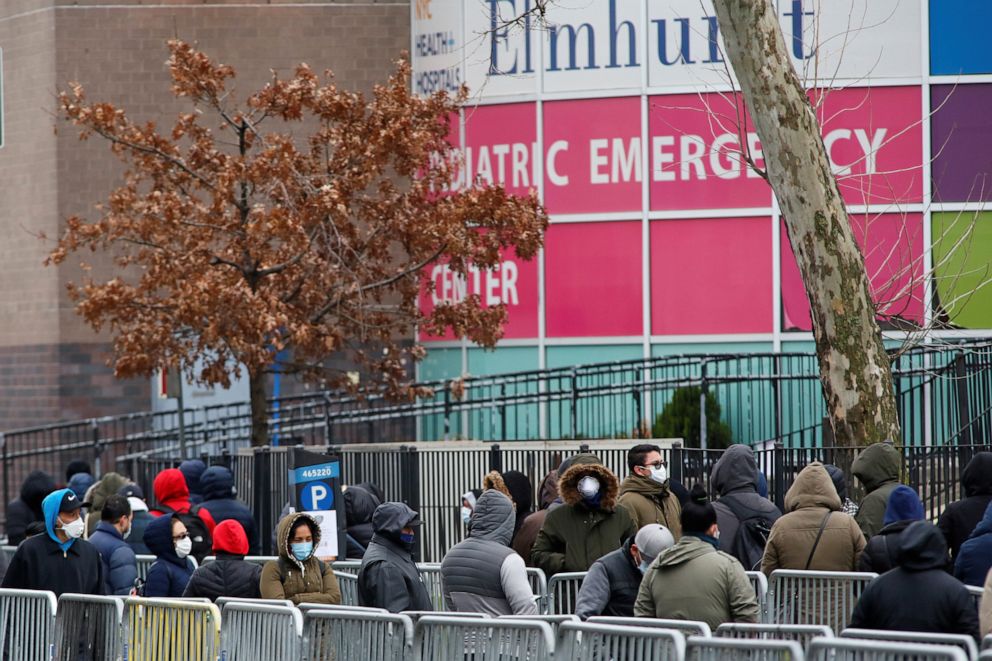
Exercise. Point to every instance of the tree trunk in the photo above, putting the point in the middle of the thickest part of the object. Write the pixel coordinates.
(259, 417)
(854, 369)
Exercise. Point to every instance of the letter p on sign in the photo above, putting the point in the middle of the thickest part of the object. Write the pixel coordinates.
(317, 496)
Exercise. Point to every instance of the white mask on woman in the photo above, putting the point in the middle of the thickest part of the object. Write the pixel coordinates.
(183, 547)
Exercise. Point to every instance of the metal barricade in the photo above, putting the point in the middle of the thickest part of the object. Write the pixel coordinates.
(223, 601)
(801, 633)
(344, 635)
(987, 642)
(563, 590)
(156, 629)
(539, 586)
(416, 615)
(349, 588)
(687, 627)
(444, 638)
(966, 643)
(306, 608)
(851, 649)
(430, 574)
(27, 624)
(976, 593)
(349, 566)
(760, 585)
(144, 563)
(815, 597)
(88, 627)
(256, 631)
(554, 621)
(603, 642)
(701, 648)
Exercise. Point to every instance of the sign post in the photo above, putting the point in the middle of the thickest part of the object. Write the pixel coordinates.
(315, 489)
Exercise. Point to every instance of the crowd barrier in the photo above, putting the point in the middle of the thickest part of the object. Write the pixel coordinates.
(27, 623)
(349, 588)
(88, 627)
(966, 643)
(600, 642)
(257, 631)
(345, 635)
(563, 590)
(849, 649)
(800, 633)
(156, 629)
(976, 594)
(815, 597)
(760, 585)
(553, 621)
(443, 637)
(685, 627)
(701, 648)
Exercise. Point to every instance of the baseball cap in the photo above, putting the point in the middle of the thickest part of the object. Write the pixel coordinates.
(652, 539)
(71, 503)
(131, 491)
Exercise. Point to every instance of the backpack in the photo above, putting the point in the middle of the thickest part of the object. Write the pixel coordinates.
(748, 545)
(197, 528)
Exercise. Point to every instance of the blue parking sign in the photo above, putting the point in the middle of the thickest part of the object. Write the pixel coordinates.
(317, 496)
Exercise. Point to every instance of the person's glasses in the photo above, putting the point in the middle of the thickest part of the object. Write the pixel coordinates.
(184, 535)
(656, 465)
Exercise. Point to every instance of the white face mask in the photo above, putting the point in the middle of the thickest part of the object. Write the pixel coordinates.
(588, 486)
(126, 533)
(466, 515)
(660, 474)
(183, 547)
(74, 529)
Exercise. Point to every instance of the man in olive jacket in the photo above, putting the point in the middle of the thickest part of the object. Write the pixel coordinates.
(877, 468)
(645, 491)
(588, 525)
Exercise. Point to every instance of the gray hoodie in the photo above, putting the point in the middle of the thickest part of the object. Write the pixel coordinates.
(735, 479)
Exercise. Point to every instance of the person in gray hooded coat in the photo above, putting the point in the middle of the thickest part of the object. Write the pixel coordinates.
(482, 574)
(388, 577)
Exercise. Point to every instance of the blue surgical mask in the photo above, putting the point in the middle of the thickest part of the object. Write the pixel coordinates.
(644, 567)
(302, 550)
(406, 538)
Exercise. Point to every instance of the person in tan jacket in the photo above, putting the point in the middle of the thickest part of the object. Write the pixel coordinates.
(298, 575)
(644, 493)
(811, 503)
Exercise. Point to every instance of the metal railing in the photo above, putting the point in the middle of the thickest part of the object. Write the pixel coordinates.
(829, 649)
(257, 631)
(699, 648)
(686, 627)
(88, 627)
(483, 639)
(964, 642)
(27, 623)
(171, 629)
(563, 592)
(800, 633)
(815, 597)
(599, 642)
(352, 636)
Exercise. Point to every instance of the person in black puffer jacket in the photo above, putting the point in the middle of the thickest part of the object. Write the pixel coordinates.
(27, 509)
(217, 487)
(228, 575)
(360, 501)
(960, 518)
(904, 507)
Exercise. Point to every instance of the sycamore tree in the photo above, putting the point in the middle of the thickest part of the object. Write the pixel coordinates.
(297, 223)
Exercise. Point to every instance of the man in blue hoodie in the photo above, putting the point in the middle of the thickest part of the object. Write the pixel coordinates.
(58, 561)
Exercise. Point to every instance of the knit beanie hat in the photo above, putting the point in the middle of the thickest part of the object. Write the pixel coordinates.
(903, 505)
(698, 513)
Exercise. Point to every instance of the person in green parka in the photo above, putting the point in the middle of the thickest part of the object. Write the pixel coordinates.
(877, 468)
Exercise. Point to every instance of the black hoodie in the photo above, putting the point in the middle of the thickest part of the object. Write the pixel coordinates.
(27, 509)
(960, 518)
(918, 595)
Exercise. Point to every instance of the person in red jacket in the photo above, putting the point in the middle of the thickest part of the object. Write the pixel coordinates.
(172, 497)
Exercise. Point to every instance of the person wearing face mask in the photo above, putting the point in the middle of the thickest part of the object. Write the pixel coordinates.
(645, 491)
(588, 524)
(58, 560)
(388, 577)
(611, 585)
(468, 505)
(120, 567)
(694, 580)
(298, 574)
(169, 540)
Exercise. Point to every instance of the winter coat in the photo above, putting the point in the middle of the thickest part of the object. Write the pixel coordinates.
(80, 483)
(877, 467)
(27, 509)
(918, 595)
(482, 574)
(959, 519)
(807, 502)
(522, 495)
(523, 540)
(120, 567)
(217, 489)
(139, 523)
(44, 562)
(649, 502)
(975, 557)
(879, 555)
(360, 502)
(694, 581)
(610, 588)
(311, 581)
(388, 577)
(577, 534)
(169, 574)
(192, 470)
(985, 609)
(228, 575)
(171, 491)
(98, 494)
(735, 479)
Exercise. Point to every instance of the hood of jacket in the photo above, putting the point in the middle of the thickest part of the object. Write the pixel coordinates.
(976, 478)
(230, 537)
(903, 505)
(390, 518)
(108, 486)
(812, 488)
(686, 549)
(493, 518)
(521, 490)
(50, 508)
(921, 547)
(877, 464)
(839, 480)
(373, 489)
(80, 484)
(286, 526)
(549, 490)
(36, 486)
(170, 487)
(736, 470)
(192, 470)
(217, 482)
(359, 505)
(609, 486)
(984, 526)
(158, 539)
